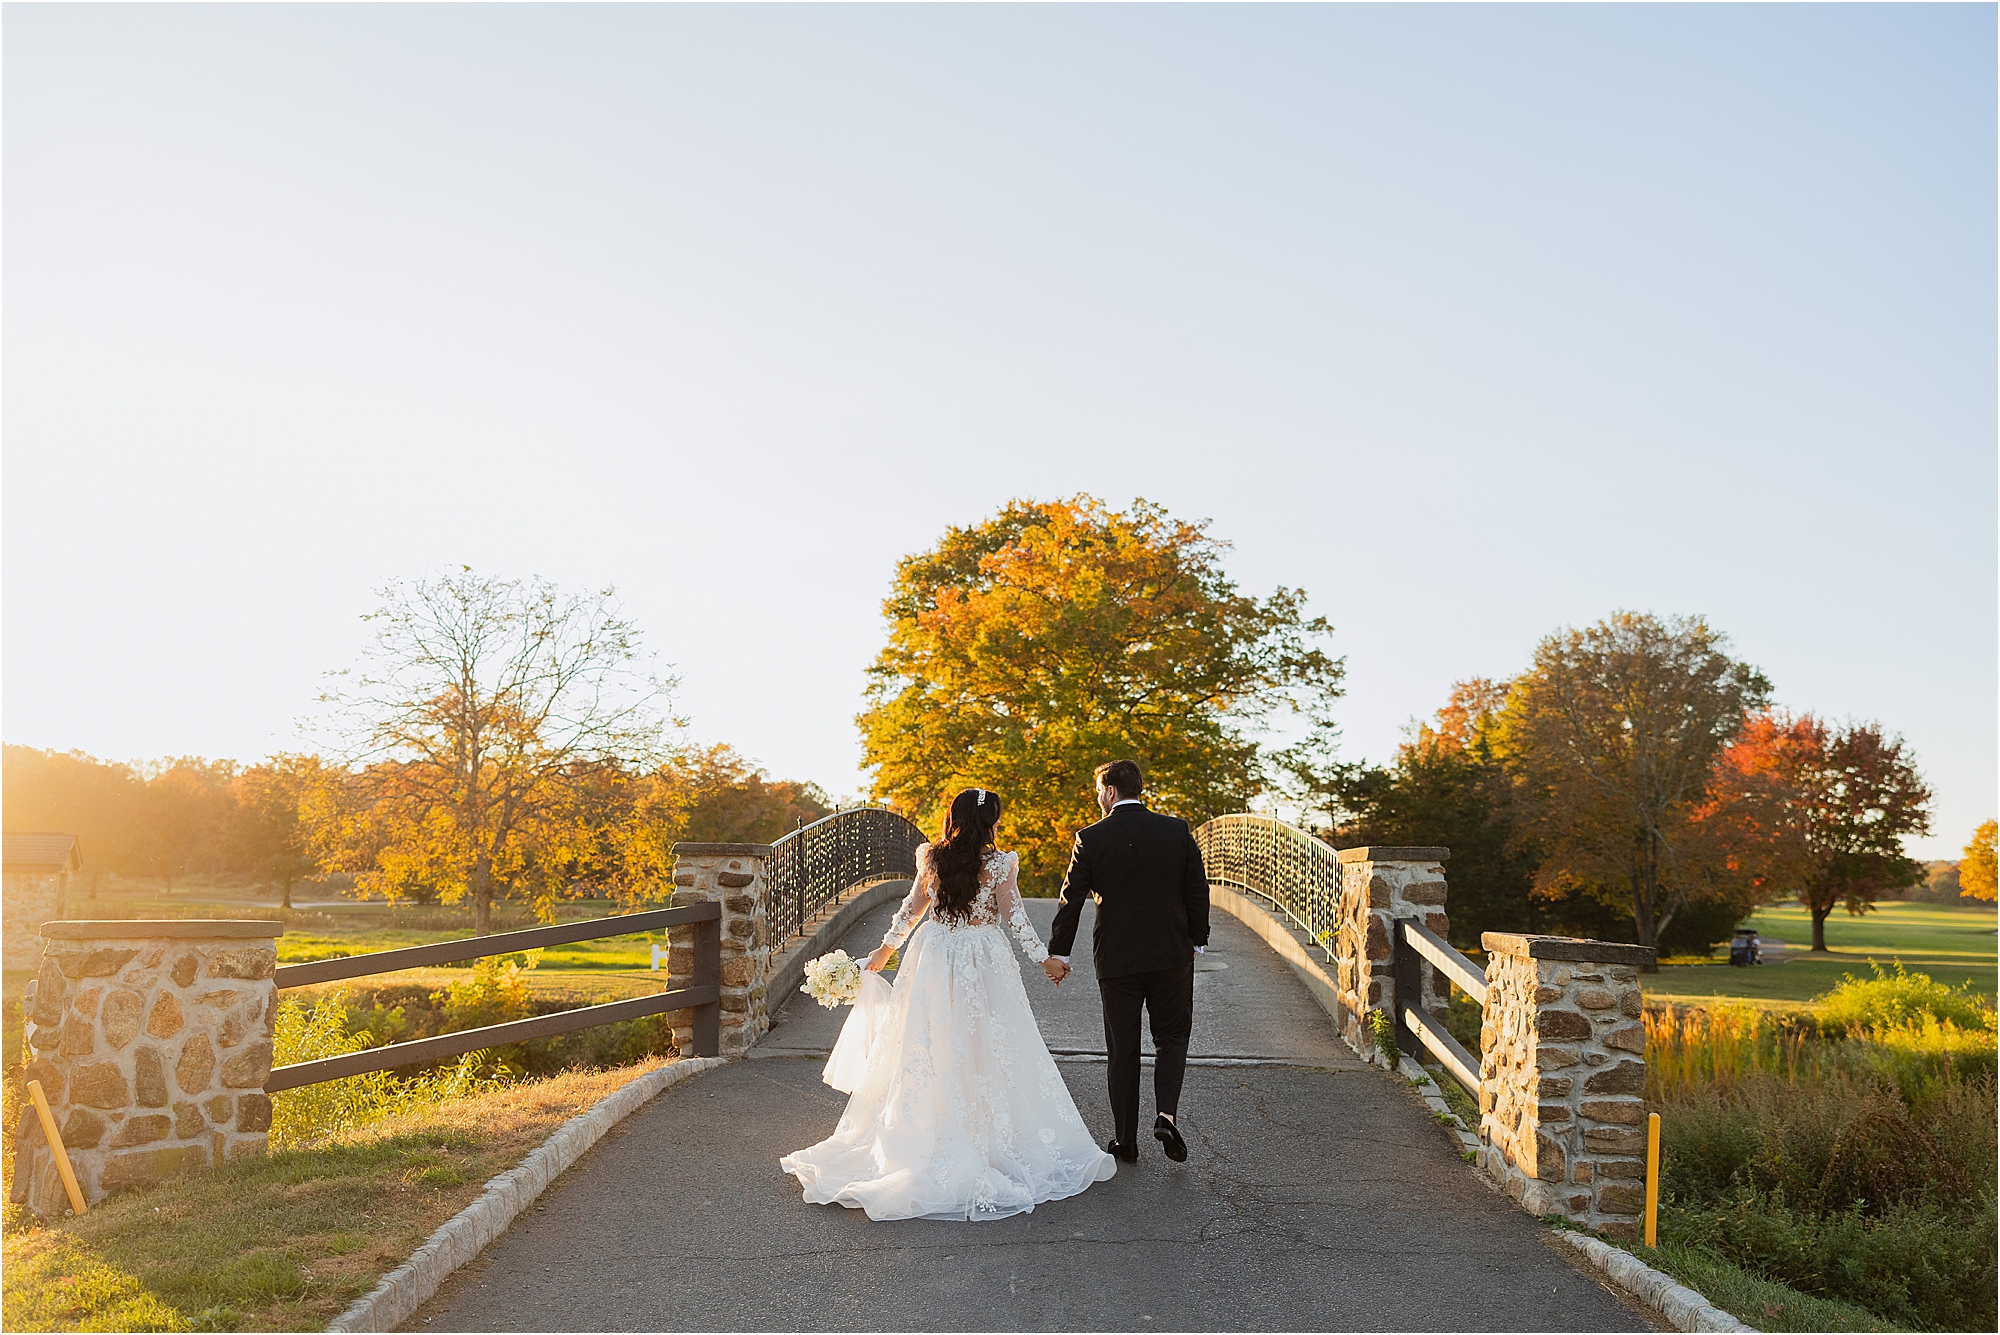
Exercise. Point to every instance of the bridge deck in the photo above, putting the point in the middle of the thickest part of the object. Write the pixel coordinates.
(1319, 1195)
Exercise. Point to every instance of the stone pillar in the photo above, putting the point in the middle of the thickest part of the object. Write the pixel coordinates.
(152, 1041)
(732, 875)
(1562, 1078)
(32, 898)
(1378, 886)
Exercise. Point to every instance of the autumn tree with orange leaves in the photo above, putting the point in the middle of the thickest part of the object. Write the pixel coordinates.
(1026, 650)
(1818, 812)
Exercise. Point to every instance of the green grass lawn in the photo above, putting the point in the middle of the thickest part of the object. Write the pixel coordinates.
(615, 953)
(284, 1242)
(1952, 943)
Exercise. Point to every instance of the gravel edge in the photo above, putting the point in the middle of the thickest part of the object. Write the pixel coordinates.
(463, 1236)
(1427, 1085)
(1683, 1308)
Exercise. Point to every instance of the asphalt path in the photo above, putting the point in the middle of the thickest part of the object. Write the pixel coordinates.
(1318, 1195)
(1247, 1004)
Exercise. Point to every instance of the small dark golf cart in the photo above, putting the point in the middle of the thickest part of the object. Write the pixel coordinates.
(1743, 948)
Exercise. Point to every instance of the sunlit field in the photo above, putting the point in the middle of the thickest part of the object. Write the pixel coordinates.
(1952, 943)
(324, 927)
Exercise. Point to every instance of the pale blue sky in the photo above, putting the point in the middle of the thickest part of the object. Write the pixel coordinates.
(1474, 322)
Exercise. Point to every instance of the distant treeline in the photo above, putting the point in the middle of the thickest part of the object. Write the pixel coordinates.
(292, 819)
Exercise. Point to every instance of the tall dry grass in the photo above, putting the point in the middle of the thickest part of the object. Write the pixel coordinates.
(1716, 1048)
(1850, 1154)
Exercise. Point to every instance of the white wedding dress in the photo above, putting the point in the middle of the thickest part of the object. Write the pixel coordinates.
(957, 1110)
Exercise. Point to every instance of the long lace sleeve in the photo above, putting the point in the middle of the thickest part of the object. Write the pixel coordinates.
(1007, 897)
(914, 903)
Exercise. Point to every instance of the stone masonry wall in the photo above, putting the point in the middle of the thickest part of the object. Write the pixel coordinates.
(1378, 886)
(1562, 1123)
(32, 898)
(732, 875)
(152, 1041)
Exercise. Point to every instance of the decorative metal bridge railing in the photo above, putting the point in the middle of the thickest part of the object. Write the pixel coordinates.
(816, 862)
(1297, 873)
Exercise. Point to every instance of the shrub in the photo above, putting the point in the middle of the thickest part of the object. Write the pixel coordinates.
(1857, 1006)
(331, 1106)
(1914, 1264)
(1926, 1055)
(496, 992)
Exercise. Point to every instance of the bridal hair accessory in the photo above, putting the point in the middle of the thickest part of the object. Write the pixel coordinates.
(982, 797)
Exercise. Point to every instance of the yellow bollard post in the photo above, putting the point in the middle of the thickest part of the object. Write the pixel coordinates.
(56, 1145)
(1652, 1179)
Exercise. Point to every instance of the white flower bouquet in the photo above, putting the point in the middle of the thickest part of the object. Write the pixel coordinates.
(833, 979)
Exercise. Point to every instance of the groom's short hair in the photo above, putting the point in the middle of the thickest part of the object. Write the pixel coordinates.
(1123, 775)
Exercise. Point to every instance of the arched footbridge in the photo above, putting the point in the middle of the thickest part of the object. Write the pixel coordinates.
(1322, 1191)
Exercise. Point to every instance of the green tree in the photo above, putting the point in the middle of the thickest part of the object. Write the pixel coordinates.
(1975, 874)
(1611, 734)
(1025, 650)
(268, 835)
(1447, 786)
(474, 727)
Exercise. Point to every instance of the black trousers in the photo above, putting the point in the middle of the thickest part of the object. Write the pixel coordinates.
(1168, 996)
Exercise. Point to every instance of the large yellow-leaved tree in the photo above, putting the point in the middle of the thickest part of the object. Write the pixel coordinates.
(1025, 650)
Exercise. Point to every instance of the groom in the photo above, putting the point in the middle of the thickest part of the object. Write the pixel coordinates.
(1144, 872)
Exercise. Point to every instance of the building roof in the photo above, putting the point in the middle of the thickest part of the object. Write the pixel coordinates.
(40, 851)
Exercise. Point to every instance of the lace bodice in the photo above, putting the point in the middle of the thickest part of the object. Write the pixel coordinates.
(999, 899)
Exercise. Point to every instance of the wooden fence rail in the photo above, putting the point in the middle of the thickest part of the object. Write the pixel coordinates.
(703, 996)
(1415, 944)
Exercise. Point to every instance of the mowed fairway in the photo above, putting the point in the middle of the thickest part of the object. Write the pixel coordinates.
(1953, 944)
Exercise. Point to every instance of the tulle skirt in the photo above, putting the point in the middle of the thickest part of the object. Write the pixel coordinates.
(956, 1109)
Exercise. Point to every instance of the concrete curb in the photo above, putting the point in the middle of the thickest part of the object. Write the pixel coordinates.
(1413, 1071)
(1683, 1308)
(460, 1238)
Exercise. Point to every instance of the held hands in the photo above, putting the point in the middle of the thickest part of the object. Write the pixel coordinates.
(1055, 969)
(879, 958)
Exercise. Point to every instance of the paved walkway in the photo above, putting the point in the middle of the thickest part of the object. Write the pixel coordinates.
(1319, 1195)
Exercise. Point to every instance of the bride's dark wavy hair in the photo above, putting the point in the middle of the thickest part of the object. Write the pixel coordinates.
(959, 851)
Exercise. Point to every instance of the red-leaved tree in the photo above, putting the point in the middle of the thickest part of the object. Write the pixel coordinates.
(1819, 812)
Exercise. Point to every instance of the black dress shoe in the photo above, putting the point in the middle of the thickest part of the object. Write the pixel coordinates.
(1125, 1153)
(1169, 1137)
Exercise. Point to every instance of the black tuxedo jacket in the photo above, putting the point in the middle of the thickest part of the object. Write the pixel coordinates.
(1145, 873)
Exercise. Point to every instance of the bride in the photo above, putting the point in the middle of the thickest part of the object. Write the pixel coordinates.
(957, 1110)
